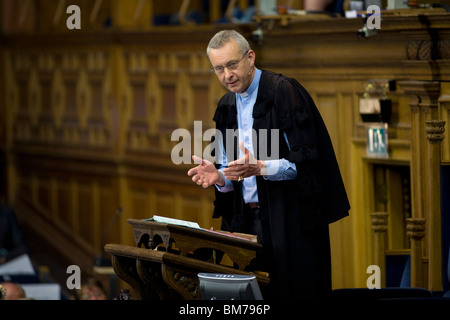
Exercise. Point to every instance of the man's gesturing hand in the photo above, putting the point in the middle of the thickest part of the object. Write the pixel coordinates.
(244, 167)
(205, 174)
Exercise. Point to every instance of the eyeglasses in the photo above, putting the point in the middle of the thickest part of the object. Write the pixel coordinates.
(233, 65)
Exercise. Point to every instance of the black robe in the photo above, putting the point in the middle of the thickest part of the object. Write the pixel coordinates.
(295, 213)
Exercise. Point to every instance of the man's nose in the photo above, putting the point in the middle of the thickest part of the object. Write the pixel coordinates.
(227, 73)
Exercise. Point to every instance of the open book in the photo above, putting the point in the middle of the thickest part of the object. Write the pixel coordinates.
(177, 222)
(194, 225)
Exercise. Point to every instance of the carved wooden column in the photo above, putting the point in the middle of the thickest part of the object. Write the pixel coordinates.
(435, 135)
(415, 229)
(423, 102)
(379, 222)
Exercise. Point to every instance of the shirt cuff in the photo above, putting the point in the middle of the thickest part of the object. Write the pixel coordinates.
(227, 187)
(280, 169)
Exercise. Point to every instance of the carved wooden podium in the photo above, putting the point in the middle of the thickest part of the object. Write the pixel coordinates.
(167, 258)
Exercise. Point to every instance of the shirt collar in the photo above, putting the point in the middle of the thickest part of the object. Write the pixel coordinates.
(253, 85)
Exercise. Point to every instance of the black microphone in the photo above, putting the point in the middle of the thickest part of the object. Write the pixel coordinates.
(101, 260)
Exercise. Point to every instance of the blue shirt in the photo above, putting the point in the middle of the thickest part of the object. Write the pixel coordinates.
(278, 169)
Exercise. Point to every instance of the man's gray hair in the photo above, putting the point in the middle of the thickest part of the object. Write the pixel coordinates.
(222, 37)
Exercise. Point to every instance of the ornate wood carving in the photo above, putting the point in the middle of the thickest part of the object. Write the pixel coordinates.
(415, 229)
(63, 98)
(126, 269)
(435, 134)
(184, 282)
(188, 240)
(428, 49)
(435, 131)
(151, 274)
(163, 275)
(379, 222)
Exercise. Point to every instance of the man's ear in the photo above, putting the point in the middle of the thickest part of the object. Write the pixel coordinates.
(252, 56)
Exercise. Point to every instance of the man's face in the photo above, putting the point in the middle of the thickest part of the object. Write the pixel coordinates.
(233, 70)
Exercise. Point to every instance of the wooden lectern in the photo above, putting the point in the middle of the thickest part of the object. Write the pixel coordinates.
(167, 259)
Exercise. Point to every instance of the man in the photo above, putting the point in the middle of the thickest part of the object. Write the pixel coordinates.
(288, 201)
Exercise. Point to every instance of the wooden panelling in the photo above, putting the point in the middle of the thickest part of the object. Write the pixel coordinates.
(59, 98)
(64, 207)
